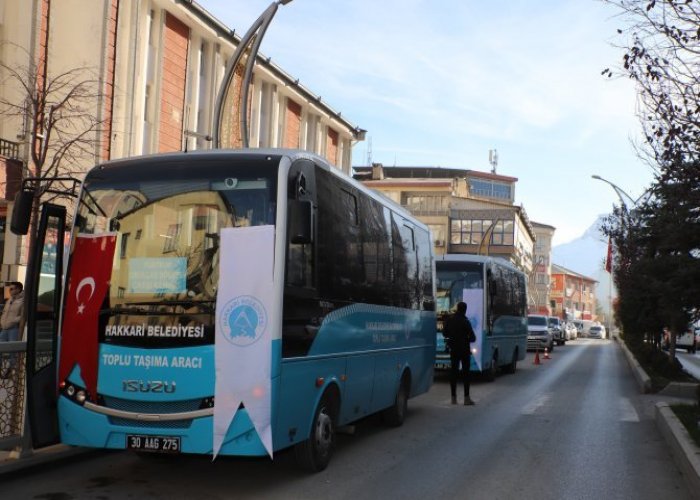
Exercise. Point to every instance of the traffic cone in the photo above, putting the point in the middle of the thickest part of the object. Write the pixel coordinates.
(546, 353)
(537, 357)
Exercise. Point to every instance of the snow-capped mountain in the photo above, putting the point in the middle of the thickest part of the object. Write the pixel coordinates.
(586, 255)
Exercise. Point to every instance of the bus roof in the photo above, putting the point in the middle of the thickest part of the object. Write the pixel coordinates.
(292, 154)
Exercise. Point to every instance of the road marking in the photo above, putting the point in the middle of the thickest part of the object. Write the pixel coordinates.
(536, 404)
(626, 411)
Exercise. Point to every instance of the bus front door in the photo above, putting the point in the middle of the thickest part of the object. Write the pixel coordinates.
(42, 301)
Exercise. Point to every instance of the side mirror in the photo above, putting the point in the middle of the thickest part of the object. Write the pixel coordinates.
(22, 211)
(300, 227)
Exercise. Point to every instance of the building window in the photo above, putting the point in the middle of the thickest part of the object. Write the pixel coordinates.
(472, 231)
(541, 279)
(426, 203)
(489, 189)
(171, 238)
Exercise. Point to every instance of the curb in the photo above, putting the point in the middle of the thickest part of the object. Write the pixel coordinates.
(687, 390)
(685, 452)
(643, 380)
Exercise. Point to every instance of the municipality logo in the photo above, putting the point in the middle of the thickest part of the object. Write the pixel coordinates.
(243, 320)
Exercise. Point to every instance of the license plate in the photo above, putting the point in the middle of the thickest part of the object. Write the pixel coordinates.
(155, 444)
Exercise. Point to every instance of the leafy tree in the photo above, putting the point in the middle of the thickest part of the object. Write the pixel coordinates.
(657, 270)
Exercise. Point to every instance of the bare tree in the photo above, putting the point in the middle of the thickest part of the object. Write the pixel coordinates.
(59, 113)
(661, 53)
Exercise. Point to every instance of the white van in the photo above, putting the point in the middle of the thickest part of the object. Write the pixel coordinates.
(587, 324)
(689, 339)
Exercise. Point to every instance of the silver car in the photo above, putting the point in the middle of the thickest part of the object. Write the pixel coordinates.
(539, 334)
(596, 332)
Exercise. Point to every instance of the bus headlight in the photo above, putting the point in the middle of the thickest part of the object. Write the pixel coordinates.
(474, 350)
(80, 397)
(75, 393)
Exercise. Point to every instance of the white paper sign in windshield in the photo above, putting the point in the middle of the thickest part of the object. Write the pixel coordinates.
(157, 275)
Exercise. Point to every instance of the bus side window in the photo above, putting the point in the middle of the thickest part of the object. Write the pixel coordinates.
(492, 298)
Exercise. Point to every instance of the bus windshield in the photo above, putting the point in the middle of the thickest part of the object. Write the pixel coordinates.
(452, 278)
(167, 219)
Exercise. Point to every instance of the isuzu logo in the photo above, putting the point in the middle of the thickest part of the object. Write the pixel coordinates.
(148, 386)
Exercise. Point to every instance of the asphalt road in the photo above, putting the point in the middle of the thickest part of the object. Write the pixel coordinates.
(571, 428)
(690, 362)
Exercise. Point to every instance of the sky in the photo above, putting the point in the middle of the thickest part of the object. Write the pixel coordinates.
(443, 82)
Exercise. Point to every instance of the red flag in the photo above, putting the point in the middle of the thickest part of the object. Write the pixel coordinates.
(608, 260)
(88, 284)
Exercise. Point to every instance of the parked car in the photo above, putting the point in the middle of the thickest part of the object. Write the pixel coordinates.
(557, 328)
(596, 332)
(539, 335)
(587, 324)
(571, 330)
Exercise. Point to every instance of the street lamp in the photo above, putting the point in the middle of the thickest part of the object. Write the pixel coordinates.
(622, 195)
(620, 192)
(249, 45)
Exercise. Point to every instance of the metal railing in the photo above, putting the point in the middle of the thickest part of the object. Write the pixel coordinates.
(9, 149)
(12, 393)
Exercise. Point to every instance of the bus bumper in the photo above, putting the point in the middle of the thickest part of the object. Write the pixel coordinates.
(82, 427)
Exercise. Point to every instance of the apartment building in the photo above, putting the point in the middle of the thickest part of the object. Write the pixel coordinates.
(540, 279)
(572, 295)
(158, 65)
(467, 211)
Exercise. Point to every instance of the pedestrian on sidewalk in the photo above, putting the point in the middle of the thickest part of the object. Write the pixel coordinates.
(459, 334)
(10, 321)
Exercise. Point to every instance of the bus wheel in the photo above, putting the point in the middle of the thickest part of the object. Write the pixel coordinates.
(493, 369)
(314, 454)
(396, 414)
(513, 362)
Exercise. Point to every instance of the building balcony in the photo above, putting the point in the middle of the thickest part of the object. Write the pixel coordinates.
(9, 149)
(10, 170)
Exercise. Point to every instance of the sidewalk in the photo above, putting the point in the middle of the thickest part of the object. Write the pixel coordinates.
(50, 454)
(685, 452)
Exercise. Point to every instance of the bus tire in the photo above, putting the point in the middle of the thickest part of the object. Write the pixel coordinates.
(395, 415)
(493, 368)
(513, 362)
(314, 454)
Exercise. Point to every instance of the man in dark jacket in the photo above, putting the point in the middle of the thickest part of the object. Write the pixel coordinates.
(459, 334)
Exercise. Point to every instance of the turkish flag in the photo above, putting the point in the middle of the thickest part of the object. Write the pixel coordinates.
(608, 260)
(88, 284)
